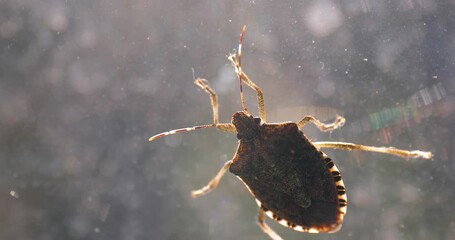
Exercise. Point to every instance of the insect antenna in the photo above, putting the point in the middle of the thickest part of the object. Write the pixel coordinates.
(180, 130)
(242, 99)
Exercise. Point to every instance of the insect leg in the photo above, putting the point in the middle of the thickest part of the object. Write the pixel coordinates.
(227, 127)
(261, 221)
(213, 183)
(339, 122)
(202, 83)
(243, 77)
(386, 150)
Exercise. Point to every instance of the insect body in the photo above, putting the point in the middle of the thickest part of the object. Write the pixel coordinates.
(293, 182)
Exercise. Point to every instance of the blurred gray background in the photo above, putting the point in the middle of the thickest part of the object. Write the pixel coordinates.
(84, 84)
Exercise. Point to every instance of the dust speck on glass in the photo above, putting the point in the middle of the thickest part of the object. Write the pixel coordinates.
(83, 84)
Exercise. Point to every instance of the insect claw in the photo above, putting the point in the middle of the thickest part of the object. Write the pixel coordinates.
(340, 121)
(421, 154)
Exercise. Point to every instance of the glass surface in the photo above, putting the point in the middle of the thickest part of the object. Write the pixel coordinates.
(84, 84)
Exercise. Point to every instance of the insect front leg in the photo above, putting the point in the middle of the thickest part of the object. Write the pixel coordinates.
(386, 150)
(227, 127)
(261, 221)
(202, 83)
(213, 183)
(339, 122)
(241, 75)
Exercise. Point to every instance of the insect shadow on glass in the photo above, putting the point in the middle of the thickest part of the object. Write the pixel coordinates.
(293, 182)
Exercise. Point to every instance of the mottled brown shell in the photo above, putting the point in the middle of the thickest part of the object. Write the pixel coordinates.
(295, 183)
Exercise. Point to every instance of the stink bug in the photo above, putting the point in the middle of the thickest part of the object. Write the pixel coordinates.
(293, 182)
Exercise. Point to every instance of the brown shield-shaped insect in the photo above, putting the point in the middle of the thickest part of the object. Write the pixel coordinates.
(294, 183)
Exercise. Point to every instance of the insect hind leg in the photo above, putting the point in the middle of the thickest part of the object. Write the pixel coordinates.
(265, 228)
(386, 150)
(339, 122)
